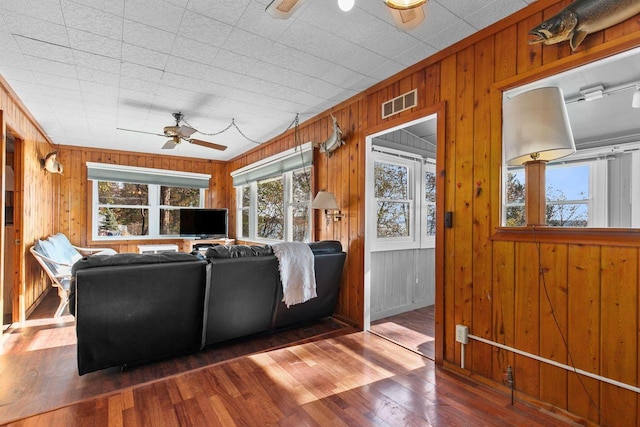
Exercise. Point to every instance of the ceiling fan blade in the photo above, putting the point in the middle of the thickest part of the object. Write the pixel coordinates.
(141, 131)
(169, 145)
(208, 144)
(186, 131)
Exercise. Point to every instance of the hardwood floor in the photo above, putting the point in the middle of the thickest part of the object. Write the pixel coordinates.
(413, 329)
(333, 376)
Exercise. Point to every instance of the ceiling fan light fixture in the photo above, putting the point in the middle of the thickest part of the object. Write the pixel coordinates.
(283, 9)
(404, 4)
(409, 19)
(346, 5)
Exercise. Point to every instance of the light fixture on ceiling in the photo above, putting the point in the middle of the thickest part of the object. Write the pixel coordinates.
(592, 93)
(536, 130)
(283, 9)
(404, 4)
(346, 5)
(635, 101)
(327, 200)
(407, 19)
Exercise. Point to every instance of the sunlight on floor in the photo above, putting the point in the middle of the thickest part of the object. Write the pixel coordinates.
(39, 334)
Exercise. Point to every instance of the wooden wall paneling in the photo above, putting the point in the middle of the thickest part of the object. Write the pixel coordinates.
(463, 255)
(527, 311)
(556, 51)
(355, 248)
(503, 295)
(619, 360)
(553, 323)
(482, 275)
(448, 93)
(583, 324)
(528, 56)
(503, 273)
(628, 27)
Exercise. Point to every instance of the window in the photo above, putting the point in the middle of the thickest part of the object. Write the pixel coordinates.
(138, 203)
(576, 193)
(274, 197)
(429, 203)
(404, 189)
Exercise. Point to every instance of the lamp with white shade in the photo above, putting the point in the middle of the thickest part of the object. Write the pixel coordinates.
(536, 130)
(327, 201)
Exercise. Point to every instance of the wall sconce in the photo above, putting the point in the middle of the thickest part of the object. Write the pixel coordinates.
(327, 201)
(536, 130)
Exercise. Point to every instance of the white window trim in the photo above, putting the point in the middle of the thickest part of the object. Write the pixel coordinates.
(416, 190)
(426, 241)
(300, 155)
(154, 205)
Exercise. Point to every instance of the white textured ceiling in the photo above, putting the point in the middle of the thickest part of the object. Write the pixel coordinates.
(86, 68)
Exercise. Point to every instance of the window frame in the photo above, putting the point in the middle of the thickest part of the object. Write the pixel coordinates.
(287, 178)
(418, 167)
(162, 178)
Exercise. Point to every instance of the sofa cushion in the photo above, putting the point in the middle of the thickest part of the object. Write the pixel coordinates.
(64, 248)
(326, 247)
(132, 259)
(238, 251)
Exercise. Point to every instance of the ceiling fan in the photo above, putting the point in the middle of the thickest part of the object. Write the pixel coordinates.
(178, 133)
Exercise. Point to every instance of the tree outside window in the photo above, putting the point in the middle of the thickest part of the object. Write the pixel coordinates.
(567, 197)
(271, 209)
(391, 189)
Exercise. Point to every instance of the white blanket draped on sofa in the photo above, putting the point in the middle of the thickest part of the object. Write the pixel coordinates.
(296, 265)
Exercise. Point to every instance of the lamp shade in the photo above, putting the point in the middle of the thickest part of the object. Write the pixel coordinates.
(325, 200)
(535, 126)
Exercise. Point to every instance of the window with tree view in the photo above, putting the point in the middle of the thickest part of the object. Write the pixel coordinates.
(276, 209)
(403, 202)
(567, 194)
(133, 210)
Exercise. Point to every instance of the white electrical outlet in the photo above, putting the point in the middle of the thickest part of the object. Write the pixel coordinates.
(462, 334)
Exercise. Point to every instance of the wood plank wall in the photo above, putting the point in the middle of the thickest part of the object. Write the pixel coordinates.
(490, 280)
(35, 208)
(492, 284)
(75, 194)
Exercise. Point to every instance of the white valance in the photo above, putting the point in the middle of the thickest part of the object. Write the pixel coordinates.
(118, 173)
(292, 159)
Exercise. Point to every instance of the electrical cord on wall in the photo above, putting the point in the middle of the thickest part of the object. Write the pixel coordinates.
(603, 420)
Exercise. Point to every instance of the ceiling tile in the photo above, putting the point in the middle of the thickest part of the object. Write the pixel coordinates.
(48, 10)
(155, 13)
(144, 57)
(94, 43)
(453, 34)
(485, 16)
(148, 37)
(92, 20)
(36, 29)
(183, 67)
(114, 7)
(30, 47)
(227, 11)
(194, 50)
(204, 29)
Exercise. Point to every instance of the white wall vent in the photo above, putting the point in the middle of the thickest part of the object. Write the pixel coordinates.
(400, 103)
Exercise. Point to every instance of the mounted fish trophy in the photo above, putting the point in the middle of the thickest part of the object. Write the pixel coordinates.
(581, 18)
(50, 164)
(333, 142)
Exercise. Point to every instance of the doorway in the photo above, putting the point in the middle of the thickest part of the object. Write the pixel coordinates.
(400, 248)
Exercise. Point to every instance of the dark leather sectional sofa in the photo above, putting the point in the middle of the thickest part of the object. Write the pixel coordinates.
(136, 308)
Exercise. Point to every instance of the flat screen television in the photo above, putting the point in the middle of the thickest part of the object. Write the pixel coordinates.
(204, 223)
